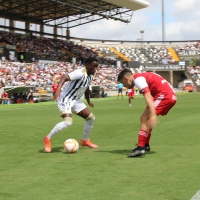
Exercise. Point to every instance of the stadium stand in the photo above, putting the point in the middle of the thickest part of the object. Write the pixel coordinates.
(53, 60)
(145, 54)
(191, 48)
(120, 54)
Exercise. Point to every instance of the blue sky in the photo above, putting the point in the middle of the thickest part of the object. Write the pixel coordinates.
(181, 23)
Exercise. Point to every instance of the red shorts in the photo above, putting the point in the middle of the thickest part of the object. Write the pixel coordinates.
(163, 103)
(131, 94)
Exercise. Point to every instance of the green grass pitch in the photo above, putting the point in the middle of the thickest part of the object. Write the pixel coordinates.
(171, 171)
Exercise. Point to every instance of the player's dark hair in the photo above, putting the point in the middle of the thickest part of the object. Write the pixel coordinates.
(90, 60)
(123, 73)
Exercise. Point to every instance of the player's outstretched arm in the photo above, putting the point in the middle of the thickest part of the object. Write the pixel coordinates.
(153, 120)
(63, 79)
(87, 97)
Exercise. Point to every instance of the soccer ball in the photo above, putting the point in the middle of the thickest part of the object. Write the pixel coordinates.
(71, 146)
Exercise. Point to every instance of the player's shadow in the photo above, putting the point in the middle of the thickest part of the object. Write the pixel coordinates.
(54, 150)
(122, 151)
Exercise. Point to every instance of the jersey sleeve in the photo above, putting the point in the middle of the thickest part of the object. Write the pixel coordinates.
(75, 75)
(141, 84)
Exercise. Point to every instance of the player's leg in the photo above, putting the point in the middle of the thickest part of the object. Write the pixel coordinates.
(89, 122)
(53, 96)
(81, 110)
(142, 136)
(147, 144)
(162, 105)
(129, 100)
(67, 121)
(133, 95)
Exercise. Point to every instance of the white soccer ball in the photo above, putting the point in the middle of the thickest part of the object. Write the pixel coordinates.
(71, 146)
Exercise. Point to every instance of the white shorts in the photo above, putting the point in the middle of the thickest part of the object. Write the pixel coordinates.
(70, 107)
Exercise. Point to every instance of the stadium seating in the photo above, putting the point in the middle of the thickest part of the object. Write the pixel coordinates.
(45, 72)
(120, 54)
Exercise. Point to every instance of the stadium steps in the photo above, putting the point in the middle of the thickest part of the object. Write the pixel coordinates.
(41, 91)
(119, 54)
(70, 53)
(101, 55)
(173, 54)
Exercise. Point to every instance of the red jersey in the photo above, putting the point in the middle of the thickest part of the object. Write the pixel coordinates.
(4, 95)
(153, 83)
(55, 87)
(131, 92)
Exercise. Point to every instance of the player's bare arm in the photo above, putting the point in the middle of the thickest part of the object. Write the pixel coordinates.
(63, 79)
(153, 120)
(87, 97)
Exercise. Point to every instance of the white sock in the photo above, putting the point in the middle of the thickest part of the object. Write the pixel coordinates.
(87, 128)
(57, 128)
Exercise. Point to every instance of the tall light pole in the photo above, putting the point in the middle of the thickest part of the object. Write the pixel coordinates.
(163, 21)
(141, 32)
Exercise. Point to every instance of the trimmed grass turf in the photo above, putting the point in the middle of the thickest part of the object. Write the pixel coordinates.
(170, 172)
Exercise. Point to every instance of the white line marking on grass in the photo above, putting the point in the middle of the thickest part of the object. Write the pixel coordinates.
(16, 108)
(196, 196)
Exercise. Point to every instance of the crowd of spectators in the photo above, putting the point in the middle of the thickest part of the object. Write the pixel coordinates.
(144, 54)
(41, 75)
(50, 48)
(159, 54)
(188, 49)
(195, 74)
(38, 74)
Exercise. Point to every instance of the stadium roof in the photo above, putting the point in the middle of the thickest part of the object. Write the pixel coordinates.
(131, 4)
(69, 13)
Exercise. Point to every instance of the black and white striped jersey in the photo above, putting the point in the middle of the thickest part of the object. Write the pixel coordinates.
(77, 86)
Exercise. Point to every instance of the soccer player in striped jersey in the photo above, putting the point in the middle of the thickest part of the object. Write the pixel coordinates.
(68, 102)
(160, 98)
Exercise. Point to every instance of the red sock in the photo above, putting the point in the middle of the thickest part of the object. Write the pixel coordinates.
(149, 136)
(142, 138)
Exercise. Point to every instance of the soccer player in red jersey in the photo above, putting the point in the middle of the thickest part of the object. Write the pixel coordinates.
(160, 98)
(131, 95)
(54, 88)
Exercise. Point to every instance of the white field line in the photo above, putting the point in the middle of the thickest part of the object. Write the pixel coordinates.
(196, 196)
(23, 107)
